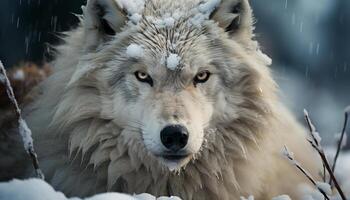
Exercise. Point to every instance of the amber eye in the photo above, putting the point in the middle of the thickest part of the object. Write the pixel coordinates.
(144, 77)
(201, 77)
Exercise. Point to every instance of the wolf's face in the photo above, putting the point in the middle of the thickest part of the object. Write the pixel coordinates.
(171, 107)
(174, 74)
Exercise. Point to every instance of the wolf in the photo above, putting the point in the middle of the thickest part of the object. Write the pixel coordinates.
(171, 98)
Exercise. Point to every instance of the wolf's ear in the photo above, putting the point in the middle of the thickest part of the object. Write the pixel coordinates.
(235, 16)
(102, 18)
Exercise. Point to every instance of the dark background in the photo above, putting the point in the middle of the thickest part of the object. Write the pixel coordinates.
(309, 41)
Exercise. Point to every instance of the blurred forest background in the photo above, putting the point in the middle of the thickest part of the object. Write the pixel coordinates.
(308, 40)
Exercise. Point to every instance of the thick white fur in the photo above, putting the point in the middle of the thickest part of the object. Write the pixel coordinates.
(85, 146)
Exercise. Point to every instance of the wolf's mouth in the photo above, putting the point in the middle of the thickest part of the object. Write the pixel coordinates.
(174, 157)
(175, 161)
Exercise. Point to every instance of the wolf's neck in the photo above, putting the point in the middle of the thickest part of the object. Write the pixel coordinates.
(203, 179)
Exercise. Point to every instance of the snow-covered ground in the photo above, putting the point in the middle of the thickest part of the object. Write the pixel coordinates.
(36, 189)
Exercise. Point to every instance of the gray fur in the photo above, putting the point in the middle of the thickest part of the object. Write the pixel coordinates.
(90, 136)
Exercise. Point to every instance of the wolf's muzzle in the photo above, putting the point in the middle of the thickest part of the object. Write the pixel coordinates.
(174, 137)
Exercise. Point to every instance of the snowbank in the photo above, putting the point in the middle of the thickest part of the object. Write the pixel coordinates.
(37, 189)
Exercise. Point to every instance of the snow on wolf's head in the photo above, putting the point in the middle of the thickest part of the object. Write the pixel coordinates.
(171, 77)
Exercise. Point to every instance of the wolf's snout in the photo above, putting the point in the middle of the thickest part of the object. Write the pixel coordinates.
(174, 137)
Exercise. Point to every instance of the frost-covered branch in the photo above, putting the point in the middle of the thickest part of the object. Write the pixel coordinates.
(289, 155)
(24, 130)
(341, 139)
(315, 142)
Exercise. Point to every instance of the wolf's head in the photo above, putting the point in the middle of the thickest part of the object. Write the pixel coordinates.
(172, 75)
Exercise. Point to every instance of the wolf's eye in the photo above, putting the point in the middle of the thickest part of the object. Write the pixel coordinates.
(201, 77)
(144, 77)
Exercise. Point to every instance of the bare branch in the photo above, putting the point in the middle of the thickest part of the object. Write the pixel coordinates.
(340, 142)
(289, 155)
(24, 131)
(315, 143)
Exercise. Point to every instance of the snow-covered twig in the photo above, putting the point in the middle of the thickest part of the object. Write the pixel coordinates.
(289, 155)
(24, 131)
(316, 144)
(340, 142)
(315, 136)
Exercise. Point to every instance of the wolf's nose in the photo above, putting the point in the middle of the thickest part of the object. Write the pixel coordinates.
(174, 137)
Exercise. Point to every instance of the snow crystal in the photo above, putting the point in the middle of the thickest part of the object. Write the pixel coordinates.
(209, 6)
(37, 189)
(158, 22)
(26, 134)
(132, 6)
(198, 19)
(19, 75)
(202, 12)
(317, 136)
(173, 61)
(325, 187)
(162, 22)
(289, 156)
(134, 51)
(169, 21)
(314, 133)
(282, 197)
(306, 114)
(135, 18)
